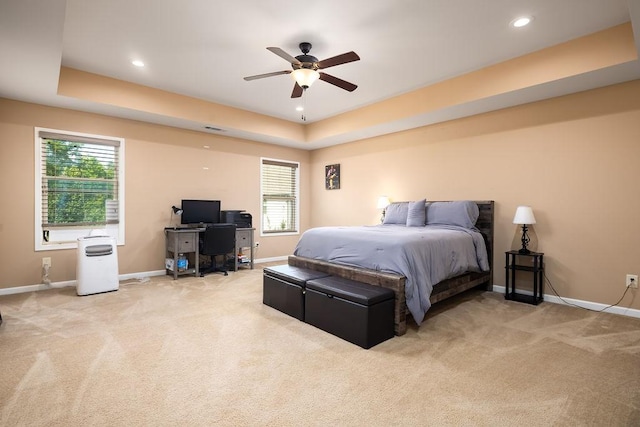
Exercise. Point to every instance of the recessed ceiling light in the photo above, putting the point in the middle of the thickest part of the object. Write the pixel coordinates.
(521, 21)
(299, 108)
(137, 63)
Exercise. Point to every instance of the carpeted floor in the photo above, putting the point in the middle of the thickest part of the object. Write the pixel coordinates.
(206, 351)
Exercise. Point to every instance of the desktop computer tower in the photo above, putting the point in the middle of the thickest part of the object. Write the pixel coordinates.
(240, 218)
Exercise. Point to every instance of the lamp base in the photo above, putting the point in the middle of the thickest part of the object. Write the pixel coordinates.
(525, 241)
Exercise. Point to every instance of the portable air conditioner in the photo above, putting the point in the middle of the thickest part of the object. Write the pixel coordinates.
(97, 268)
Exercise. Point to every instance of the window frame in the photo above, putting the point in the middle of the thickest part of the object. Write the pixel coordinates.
(264, 233)
(67, 237)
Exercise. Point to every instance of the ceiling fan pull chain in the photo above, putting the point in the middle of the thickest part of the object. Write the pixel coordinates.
(304, 105)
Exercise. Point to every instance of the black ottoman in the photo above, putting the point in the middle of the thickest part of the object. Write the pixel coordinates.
(355, 311)
(283, 288)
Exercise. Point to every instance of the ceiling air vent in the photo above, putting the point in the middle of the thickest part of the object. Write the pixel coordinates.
(213, 128)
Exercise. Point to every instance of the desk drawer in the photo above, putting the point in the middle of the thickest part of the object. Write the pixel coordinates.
(243, 238)
(186, 242)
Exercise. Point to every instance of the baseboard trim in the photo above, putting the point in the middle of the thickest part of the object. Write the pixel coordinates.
(624, 311)
(23, 289)
(136, 276)
(273, 259)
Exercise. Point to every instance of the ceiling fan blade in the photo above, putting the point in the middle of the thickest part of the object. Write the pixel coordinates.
(338, 60)
(343, 84)
(262, 76)
(297, 91)
(284, 55)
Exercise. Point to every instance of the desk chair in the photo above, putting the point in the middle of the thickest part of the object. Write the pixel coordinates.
(218, 239)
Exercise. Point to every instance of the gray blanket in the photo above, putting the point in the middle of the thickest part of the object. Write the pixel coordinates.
(424, 255)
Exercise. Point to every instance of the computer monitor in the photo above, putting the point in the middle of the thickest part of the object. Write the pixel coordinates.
(200, 212)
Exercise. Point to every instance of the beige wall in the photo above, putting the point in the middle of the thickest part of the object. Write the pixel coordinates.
(163, 166)
(574, 159)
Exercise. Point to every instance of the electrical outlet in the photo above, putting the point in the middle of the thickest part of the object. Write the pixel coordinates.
(632, 281)
(46, 262)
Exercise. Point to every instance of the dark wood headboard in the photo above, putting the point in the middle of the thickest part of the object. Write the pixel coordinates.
(486, 226)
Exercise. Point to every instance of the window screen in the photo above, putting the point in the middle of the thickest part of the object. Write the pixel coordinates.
(279, 196)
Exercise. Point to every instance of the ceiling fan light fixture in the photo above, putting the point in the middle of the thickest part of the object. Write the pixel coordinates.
(304, 69)
(305, 77)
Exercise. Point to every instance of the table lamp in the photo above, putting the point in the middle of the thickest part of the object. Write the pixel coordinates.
(383, 202)
(174, 211)
(524, 216)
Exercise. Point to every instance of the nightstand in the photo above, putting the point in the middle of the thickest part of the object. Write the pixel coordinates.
(244, 239)
(532, 262)
(182, 241)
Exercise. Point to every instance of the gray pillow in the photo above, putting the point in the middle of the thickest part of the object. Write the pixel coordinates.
(396, 213)
(463, 213)
(416, 215)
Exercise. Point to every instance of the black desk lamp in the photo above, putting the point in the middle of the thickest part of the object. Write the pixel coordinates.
(174, 210)
(524, 216)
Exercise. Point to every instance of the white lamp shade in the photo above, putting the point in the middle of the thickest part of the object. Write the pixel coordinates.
(524, 215)
(305, 76)
(383, 202)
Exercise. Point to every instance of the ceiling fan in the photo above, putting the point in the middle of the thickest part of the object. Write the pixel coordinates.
(305, 69)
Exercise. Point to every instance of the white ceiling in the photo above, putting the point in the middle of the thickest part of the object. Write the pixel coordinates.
(204, 48)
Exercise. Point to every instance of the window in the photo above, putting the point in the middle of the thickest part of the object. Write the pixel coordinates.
(279, 188)
(79, 187)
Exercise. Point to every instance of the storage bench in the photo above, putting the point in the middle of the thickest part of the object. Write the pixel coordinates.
(283, 288)
(357, 312)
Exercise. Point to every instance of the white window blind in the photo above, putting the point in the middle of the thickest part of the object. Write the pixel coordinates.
(79, 187)
(279, 196)
(79, 180)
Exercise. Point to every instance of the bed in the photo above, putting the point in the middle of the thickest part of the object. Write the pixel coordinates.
(398, 268)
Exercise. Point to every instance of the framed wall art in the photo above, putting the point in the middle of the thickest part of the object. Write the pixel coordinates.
(332, 177)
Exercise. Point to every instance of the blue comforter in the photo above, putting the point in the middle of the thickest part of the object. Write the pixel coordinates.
(424, 255)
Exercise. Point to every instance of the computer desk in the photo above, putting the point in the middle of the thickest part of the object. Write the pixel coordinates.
(186, 241)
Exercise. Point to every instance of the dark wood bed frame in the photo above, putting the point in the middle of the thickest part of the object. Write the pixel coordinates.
(441, 291)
